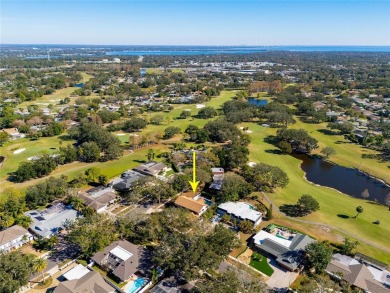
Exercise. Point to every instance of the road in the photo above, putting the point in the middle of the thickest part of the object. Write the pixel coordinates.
(276, 209)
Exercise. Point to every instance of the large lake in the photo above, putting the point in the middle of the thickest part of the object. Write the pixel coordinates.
(347, 180)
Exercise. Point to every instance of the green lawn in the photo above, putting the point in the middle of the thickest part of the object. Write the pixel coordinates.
(176, 70)
(259, 262)
(57, 96)
(123, 138)
(111, 169)
(153, 70)
(347, 154)
(73, 170)
(31, 148)
(331, 202)
(173, 115)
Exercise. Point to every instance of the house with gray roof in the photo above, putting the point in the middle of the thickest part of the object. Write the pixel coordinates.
(123, 259)
(13, 238)
(151, 168)
(92, 282)
(126, 180)
(366, 276)
(48, 222)
(99, 198)
(287, 248)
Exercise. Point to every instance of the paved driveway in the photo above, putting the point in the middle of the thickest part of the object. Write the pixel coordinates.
(281, 278)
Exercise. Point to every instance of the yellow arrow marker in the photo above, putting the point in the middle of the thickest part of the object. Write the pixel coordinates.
(194, 183)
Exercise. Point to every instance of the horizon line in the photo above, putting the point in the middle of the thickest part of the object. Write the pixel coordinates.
(197, 45)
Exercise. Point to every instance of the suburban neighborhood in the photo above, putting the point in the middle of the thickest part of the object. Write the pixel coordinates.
(194, 169)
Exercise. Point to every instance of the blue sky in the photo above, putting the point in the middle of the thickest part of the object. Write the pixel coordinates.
(195, 22)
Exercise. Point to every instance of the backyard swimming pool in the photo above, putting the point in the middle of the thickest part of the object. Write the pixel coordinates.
(135, 286)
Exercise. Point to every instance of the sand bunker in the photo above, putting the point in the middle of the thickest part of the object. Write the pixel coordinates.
(19, 151)
(251, 164)
(248, 131)
(121, 134)
(133, 134)
(199, 106)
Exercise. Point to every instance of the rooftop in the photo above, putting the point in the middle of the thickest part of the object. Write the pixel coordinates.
(241, 210)
(217, 170)
(48, 222)
(11, 233)
(121, 253)
(131, 258)
(260, 237)
(150, 168)
(99, 199)
(126, 180)
(364, 276)
(92, 282)
(76, 273)
(190, 204)
(288, 252)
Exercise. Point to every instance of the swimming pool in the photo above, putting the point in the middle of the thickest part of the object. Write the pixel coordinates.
(208, 202)
(134, 286)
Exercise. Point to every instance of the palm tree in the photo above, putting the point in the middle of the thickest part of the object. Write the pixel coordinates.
(77, 203)
(39, 266)
(6, 221)
(359, 210)
(154, 275)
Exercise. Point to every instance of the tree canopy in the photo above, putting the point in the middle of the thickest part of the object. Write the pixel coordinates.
(299, 139)
(265, 177)
(15, 270)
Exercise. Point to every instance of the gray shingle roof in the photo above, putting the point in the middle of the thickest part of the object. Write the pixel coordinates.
(92, 282)
(150, 168)
(356, 274)
(11, 233)
(137, 262)
(291, 256)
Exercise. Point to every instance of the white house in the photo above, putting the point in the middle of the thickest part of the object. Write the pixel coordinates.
(14, 237)
(50, 221)
(14, 133)
(240, 211)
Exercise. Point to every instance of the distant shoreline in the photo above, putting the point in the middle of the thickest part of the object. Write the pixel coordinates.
(204, 49)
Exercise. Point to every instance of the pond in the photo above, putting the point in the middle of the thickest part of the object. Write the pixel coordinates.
(257, 102)
(347, 180)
